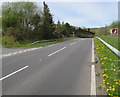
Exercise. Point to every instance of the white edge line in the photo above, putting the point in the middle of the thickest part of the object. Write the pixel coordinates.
(56, 51)
(13, 73)
(50, 45)
(9, 54)
(15, 53)
(19, 52)
(93, 79)
(93, 57)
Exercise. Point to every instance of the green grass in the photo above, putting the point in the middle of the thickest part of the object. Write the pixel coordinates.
(27, 44)
(112, 40)
(110, 68)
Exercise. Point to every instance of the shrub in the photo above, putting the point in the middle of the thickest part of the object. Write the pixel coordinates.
(9, 41)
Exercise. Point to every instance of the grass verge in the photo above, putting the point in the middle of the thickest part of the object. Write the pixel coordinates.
(110, 68)
(26, 45)
(112, 40)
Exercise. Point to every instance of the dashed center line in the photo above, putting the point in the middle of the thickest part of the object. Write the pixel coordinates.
(13, 73)
(72, 43)
(56, 51)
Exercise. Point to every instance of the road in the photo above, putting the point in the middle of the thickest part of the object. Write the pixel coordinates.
(60, 69)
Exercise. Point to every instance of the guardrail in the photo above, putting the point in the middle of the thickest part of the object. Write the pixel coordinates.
(117, 52)
(45, 41)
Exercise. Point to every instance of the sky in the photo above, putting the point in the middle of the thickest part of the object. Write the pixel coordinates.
(89, 14)
(85, 14)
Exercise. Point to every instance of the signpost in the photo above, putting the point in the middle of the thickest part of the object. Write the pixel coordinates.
(114, 31)
(73, 34)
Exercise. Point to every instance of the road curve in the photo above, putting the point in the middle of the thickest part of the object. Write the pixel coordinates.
(60, 69)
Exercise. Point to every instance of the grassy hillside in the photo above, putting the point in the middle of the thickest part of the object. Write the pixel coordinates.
(112, 40)
(105, 30)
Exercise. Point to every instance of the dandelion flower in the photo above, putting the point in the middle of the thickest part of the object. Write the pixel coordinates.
(117, 83)
(103, 63)
(107, 83)
(113, 89)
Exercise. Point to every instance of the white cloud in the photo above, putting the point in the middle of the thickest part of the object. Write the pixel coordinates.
(87, 14)
(83, 13)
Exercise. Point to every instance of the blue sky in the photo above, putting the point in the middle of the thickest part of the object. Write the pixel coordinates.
(85, 14)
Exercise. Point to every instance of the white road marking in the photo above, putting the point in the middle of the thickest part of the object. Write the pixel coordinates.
(9, 54)
(25, 51)
(14, 53)
(72, 43)
(40, 59)
(20, 52)
(93, 79)
(4, 55)
(50, 45)
(83, 39)
(56, 51)
(39, 47)
(28, 49)
(13, 73)
(93, 57)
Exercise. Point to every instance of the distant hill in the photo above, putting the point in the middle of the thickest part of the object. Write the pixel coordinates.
(105, 30)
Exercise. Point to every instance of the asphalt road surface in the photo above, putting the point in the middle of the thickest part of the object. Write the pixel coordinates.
(60, 69)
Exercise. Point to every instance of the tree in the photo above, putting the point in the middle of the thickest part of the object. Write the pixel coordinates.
(48, 23)
(67, 29)
(59, 29)
(19, 15)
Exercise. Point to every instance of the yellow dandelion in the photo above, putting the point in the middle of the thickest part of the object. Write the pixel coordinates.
(117, 83)
(104, 75)
(103, 63)
(113, 89)
(105, 69)
(109, 94)
(103, 80)
(107, 83)
(110, 87)
(107, 89)
(110, 59)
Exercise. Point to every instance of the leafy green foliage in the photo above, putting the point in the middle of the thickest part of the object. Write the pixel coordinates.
(48, 23)
(9, 41)
(26, 21)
